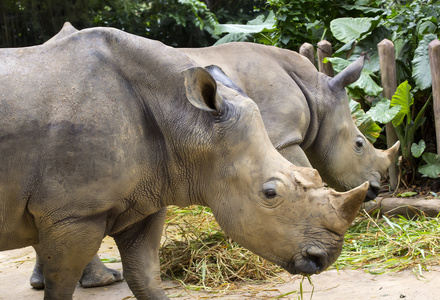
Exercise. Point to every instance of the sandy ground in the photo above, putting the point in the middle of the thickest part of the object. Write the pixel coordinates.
(16, 267)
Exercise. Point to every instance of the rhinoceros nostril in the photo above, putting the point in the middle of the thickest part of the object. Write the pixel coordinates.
(317, 259)
(313, 261)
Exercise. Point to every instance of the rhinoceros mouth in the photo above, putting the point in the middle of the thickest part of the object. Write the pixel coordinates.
(311, 261)
(373, 191)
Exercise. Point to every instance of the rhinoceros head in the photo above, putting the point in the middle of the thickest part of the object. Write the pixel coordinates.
(275, 209)
(341, 153)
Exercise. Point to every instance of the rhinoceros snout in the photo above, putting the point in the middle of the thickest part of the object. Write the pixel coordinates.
(373, 191)
(313, 261)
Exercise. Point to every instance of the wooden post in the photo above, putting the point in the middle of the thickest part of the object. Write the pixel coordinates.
(308, 51)
(387, 62)
(325, 50)
(434, 63)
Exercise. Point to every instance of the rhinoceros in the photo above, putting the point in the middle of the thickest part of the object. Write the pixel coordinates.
(306, 113)
(102, 130)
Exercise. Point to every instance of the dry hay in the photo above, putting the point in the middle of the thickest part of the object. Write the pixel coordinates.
(197, 253)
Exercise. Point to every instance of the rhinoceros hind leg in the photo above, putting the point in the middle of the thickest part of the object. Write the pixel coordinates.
(97, 274)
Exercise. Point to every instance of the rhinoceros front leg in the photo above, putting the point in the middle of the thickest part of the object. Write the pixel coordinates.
(139, 249)
(64, 250)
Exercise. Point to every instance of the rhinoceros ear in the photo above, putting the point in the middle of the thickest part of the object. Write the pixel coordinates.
(349, 75)
(201, 89)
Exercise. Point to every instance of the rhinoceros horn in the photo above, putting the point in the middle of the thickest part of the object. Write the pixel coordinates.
(392, 152)
(349, 75)
(347, 204)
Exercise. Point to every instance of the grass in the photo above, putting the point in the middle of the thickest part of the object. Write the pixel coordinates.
(389, 245)
(199, 255)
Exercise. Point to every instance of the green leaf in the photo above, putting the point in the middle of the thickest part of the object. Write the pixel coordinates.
(382, 112)
(367, 84)
(234, 37)
(420, 64)
(338, 63)
(348, 29)
(365, 124)
(432, 167)
(402, 97)
(253, 26)
(407, 194)
(417, 149)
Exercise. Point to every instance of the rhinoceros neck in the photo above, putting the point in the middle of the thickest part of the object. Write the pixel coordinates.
(310, 82)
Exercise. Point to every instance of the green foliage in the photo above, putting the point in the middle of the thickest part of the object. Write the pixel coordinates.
(421, 71)
(411, 27)
(382, 113)
(403, 99)
(407, 194)
(364, 122)
(418, 149)
(256, 30)
(387, 245)
(347, 30)
(174, 22)
(183, 23)
(305, 20)
(432, 167)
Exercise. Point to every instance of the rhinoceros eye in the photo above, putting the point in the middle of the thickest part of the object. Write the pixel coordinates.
(360, 143)
(270, 193)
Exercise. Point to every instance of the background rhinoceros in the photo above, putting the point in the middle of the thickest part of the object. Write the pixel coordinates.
(101, 130)
(306, 113)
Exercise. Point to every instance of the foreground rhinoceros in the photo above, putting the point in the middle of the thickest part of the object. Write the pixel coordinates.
(98, 136)
(306, 113)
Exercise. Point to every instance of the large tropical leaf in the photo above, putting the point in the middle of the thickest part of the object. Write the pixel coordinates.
(432, 167)
(420, 64)
(365, 82)
(382, 113)
(368, 45)
(256, 25)
(364, 123)
(402, 97)
(348, 29)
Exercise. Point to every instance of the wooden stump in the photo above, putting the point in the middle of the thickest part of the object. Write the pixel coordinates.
(308, 51)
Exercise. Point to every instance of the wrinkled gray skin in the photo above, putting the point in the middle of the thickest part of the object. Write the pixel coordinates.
(306, 113)
(101, 130)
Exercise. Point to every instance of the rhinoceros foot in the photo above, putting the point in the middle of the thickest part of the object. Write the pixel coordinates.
(97, 274)
(37, 278)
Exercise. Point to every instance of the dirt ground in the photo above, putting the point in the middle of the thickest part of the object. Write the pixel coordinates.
(16, 267)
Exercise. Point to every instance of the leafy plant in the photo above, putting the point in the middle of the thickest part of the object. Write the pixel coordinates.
(256, 30)
(411, 27)
(432, 167)
(405, 122)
